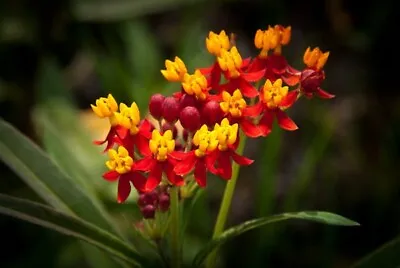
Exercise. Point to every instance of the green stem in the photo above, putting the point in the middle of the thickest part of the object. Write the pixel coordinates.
(174, 227)
(226, 202)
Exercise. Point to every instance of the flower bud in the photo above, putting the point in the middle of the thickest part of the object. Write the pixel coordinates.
(170, 109)
(142, 200)
(311, 80)
(155, 105)
(211, 113)
(164, 202)
(187, 100)
(148, 211)
(190, 118)
(168, 126)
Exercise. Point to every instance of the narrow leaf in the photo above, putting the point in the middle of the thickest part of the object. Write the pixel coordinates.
(318, 216)
(48, 217)
(34, 166)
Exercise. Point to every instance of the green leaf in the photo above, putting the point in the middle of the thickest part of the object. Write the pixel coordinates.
(48, 217)
(318, 216)
(34, 166)
(386, 256)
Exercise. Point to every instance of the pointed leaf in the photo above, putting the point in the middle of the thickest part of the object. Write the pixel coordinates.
(63, 223)
(318, 216)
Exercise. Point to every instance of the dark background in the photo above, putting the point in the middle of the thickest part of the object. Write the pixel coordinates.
(344, 158)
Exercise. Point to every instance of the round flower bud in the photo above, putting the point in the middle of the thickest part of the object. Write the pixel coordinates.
(187, 100)
(168, 126)
(148, 211)
(142, 200)
(311, 80)
(190, 118)
(211, 113)
(155, 105)
(163, 202)
(170, 109)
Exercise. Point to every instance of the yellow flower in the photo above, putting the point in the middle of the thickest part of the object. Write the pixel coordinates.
(205, 140)
(128, 117)
(273, 94)
(105, 107)
(174, 70)
(226, 134)
(315, 58)
(233, 104)
(216, 42)
(272, 38)
(230, 61)
(120, 161)
(195, 84)
(161, 145)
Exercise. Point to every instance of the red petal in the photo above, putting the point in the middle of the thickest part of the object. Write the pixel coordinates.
(111, 175)
(99, 142)
(210, 160)
(186, 165)
(323, 94)
(284, 121)
(124, 188)
(121, 131)
(145, 164)
(200, 173)
(171, 175)
(241, 160)
(145, 128)
(206, 70)
(290, 99)
(179, 155)
(142, 144)
(265, 123)
(254, 110)
(253, 76)
(250, 129)
(224, 165)
(290, 79)
(138, 180)
(154, 178)
(247, 89)
(256, 65)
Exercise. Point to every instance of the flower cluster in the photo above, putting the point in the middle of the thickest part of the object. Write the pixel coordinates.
(197, 130)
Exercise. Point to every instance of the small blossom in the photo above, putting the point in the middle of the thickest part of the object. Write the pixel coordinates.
(230, 61)
(315, 58)
(105, 107)
(272, 38)
(120, 168)
(175, 70)
(128, 117)
(195, 84)
(161, 145)
(216, 42)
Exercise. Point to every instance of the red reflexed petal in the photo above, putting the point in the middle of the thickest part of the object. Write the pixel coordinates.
(253, 76)
(186, 165)
(256, 65)
(266, 121)
(247, 89)
(121, 131)
(177, 95)
(138, 180)
(250, 129)
(292, 71)
(145, 128)
(200, 173)
(215, 75)
(224, 165)
(142, 144)
(290, 99)
(284, 121)
(210, 160)
(154, 178)
(111, 175)
(323, 94)
(246, 62)
(254, 110)
(124, 188)
(241, 160)
(290, 79)
(206, 70)
(171, 175)
(145, 164)
(99, 142)
(179, 155)
(277, 63)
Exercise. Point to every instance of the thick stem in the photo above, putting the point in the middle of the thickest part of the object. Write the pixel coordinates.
(174, 227)
(226, 202)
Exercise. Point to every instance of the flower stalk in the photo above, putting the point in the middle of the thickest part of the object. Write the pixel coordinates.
(174, 228)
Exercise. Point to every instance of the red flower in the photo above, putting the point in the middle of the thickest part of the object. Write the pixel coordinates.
(120, 165)
(273, 100)
(159, 160)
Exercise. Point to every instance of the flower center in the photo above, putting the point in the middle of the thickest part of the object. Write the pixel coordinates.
(120, 161)
(216, 42)
(273, 94)
(226, 134)
(233, 104)
(175, 70)
(105, 107)
(128, 117)
(195, 84)
(161, 145)
(205, 140)
(230, 61)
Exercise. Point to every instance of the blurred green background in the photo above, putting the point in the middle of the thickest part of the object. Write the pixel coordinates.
(57, 57)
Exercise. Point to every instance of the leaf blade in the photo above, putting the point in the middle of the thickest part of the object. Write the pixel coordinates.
(318, 216)
(66, 224)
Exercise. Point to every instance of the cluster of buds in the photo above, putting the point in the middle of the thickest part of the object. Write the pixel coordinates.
(150, 202)
(197, 130)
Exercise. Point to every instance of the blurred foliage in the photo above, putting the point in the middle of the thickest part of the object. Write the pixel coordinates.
(57, 57)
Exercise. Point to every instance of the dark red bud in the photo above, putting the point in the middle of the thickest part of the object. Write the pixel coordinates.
(311, 80)
(155, 105)
(163, 203)
(142, 200)
(190, 118)
(168, 126)
(148, 211)
(211, 113)
(170, 109)
(187, 100)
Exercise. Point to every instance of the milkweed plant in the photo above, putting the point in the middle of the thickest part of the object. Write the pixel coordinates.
(202, 128)
(169, 154)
